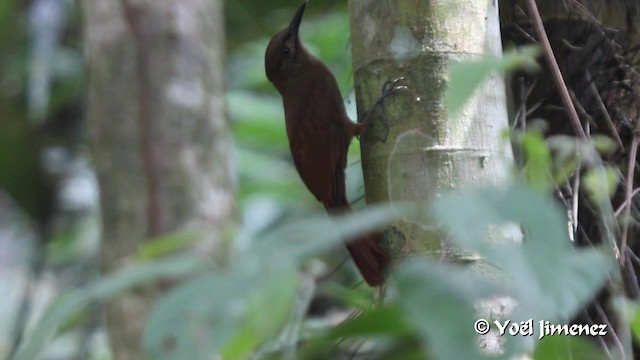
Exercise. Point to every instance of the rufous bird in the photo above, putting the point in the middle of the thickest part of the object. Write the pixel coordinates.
(319, 132)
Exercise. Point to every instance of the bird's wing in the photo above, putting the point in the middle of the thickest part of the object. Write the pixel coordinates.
(320, 156)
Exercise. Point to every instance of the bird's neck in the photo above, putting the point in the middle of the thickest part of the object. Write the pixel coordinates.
(301, 74)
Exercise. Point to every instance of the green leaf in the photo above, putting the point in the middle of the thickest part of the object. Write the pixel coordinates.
(357, 298)
(269, 307)
(232, 311)
(629, 313)
(376, 321)
(197, 318)
(549, 278)
(58, 313)
(165, 245)
(67, 305)
(538, 161)
(601, 183)
(603, 144)
(438, 301)
(564, 171)
(300, 239)
(466, 76)
(566, 347)
(565, 148)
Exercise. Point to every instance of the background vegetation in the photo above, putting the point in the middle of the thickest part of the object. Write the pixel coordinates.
(258, 302)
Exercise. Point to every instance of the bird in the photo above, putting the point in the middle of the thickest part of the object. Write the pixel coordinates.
(319, 132)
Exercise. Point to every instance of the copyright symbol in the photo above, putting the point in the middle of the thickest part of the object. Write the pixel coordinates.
(481, 326)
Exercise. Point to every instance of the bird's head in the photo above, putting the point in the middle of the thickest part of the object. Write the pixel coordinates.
(285, 54)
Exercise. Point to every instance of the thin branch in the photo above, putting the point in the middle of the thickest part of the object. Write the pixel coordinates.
(624, 203)
(633, 291)
(603, 109)
(631, 168)
(633, 257)
(610, 327)
(328, 275)
(555, 70)
(287, 342)
(599, 339)
(525, 34)
(574, 200)
(581, 109)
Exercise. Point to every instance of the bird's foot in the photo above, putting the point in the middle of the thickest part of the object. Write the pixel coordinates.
(393, 86)
(389, 88)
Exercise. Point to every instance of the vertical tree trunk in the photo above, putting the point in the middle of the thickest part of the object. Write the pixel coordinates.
(160, 138)
(414, 148)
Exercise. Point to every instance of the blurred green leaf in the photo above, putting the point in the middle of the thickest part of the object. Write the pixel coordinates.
(601, 183)
(629, 313)
(564, 148)
(466, 76)
(183, 323)
(165, 245)
(67, 305)
(375, 321)
(357, 298)
(137, 274)
(603, 144)
(56, 315)
(268, 310)
(298, 240)
(223, 311)
(538, 164)
(549, 278)
(564, 171)
(567, 347)
(438, 301)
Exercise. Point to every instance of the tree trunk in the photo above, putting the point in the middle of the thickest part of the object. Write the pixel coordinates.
(161, 142)
(414, 149)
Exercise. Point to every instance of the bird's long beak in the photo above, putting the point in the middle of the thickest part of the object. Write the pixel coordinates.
(297, 19)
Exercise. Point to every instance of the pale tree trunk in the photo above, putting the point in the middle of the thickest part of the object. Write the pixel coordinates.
(160, 138)
(414, 149)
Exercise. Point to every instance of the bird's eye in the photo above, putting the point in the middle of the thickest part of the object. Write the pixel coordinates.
(285, 51)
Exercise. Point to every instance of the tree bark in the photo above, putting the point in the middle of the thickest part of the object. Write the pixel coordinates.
(414, 149)
(161, 142)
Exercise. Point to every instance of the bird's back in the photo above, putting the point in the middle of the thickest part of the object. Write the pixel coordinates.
(316, 126)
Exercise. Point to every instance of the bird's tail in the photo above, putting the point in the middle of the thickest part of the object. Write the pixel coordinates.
(365, 250)
(369, 258)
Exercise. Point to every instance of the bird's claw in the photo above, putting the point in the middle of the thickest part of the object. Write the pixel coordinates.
(391, 86)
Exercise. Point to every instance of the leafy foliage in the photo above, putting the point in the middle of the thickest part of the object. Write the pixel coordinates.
(68, 304)
(466, 76)
(563, 347)
(235, 308)
(547, 277)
